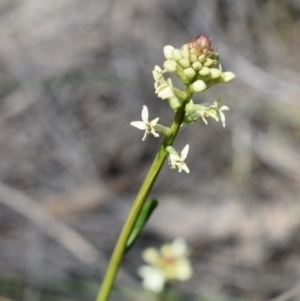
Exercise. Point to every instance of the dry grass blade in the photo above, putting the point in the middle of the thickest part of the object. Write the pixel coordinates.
(64, 235)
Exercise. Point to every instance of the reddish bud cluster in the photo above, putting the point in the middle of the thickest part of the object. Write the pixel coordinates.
(201, 45)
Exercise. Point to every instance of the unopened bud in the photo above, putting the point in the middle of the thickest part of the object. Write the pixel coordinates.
(226, 77)
(204, 71)
(170, 66)
(197, 66)
(209, 62)
(168, 50)
(191, 118)
(189, 72)
(185, 63)
(181, 75)
(193, 58)
(185, 51)
(215, 73)
(201, 45)
(201, 58)
(176, 54)
(199, 86)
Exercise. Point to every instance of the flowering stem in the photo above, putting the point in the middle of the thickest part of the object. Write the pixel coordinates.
(141, 197)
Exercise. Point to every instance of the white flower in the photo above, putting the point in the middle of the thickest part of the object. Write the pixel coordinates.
(212, 111)
(163, 88)
(145, 124)
(176, 160)
(167, 264)
(157, 74)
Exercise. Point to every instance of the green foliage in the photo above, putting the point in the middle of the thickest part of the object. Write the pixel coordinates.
(144, 215)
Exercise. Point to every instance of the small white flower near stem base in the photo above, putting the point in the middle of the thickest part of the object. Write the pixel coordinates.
(166, 265)
(176, 160)
(145, 124)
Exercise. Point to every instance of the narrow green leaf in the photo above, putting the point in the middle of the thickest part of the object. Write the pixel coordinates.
(144, 215)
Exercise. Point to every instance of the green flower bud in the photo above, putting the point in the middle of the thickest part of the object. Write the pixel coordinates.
(226, 77)
(190, 73)
(166, 131)
(185, 51)
(181, 75)
(201, 58)
(171, 150)
(174, 103)
(197, 66)
(199, 86)
(176, 54)
(191, 118)
(182, 95)
(185, 63)
(209, 62)
(215, 73)
(193, 58)
(170, 66)
(168, 49)
(204, 71)
(191, 108)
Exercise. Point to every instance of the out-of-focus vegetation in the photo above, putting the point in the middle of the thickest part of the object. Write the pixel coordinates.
(13, 289)
(73, 74)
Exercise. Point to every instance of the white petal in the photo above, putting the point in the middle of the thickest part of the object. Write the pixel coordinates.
(138, 124)
(168, 49)
(184, 152)
(145, 136)
(179, 247)
(154, 121)
(153, 279)
(172, 161)
(185, 168)
(222, 117)
(150, 255)
(174, 158)
(164, 91)
(157, 73)
(183, 269)
(145, 114)
(154, 133)
(224, 108)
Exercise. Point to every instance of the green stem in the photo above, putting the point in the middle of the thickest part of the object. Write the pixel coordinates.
(141, 197)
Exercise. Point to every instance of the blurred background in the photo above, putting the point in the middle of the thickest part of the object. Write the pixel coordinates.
(73, 74)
